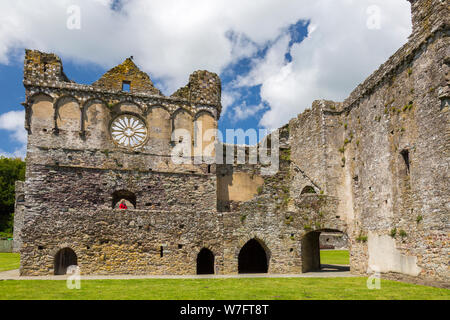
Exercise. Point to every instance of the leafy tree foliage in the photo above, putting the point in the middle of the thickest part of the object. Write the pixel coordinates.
(11, 170)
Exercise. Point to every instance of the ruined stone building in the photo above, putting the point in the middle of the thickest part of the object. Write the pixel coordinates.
(374, 167)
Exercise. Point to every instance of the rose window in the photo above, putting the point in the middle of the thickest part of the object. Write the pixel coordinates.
(128, 131)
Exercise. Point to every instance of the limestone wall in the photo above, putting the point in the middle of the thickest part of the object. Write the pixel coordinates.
(387, 153)
(19, 210)
(374, 167)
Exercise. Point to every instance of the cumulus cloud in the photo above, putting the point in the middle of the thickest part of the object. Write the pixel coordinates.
(229, 98)
(13, 123)
(168, 38)
(171, 38)
(242, 112)
(339, 53)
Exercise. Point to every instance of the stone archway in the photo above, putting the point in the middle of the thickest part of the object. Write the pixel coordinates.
(205, 262)
(64, 258)
(310, 252)
(253, 258)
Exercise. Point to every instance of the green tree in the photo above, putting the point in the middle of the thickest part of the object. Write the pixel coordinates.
(11, 170)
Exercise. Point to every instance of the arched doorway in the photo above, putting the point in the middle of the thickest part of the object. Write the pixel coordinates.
(205, 262)
(311, 253)
(253, 258)
(63, 259)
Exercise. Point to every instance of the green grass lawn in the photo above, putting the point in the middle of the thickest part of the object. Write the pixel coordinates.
(219, 289)
(216, 289)
(9, 261)
(334, 257)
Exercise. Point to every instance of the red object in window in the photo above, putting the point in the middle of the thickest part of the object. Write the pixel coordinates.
(123, 206)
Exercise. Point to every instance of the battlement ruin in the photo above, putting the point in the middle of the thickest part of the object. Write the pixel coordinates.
(374, 167)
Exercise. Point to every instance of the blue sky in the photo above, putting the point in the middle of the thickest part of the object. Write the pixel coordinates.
(274, 56)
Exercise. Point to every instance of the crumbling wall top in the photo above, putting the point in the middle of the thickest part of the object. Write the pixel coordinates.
(127, 73)
(204, 87)
(43, 66)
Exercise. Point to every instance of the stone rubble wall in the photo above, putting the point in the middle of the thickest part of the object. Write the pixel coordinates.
(403, 106)
(377, 162)
(19, 210)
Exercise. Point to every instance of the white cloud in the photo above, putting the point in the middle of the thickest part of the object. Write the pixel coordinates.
(13, 122)
(338, 54)
(228, 99)
(242, 112)
(17, 153)
(171, 38)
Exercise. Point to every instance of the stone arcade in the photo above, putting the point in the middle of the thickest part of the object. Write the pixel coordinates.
(374, 167)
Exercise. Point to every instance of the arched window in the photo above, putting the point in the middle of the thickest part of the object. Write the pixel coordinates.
(308, 189)
(128, 196)
(63, 259)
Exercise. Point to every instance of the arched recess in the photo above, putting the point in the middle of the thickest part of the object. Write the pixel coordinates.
(205, 262)
(128, 107)
(308, 190)
(253, 258)
(41, 113)
(204, 134)
(128, 196)
(68, 114)
(64, 258)
(310, 252)
(159, 129)
(182, 119)
(96, 119)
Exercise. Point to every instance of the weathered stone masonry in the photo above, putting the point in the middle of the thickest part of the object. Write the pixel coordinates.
(374, 167)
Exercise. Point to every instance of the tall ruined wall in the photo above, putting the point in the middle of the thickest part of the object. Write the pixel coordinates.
(374, 167)
(75, 167)
(64, 114)
(387, 155)
(267, 207)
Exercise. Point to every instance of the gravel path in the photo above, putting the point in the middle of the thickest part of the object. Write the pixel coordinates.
(325, 273)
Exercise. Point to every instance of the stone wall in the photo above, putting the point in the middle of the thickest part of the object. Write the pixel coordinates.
(19, 210)
(6, 246)
(374, 167)
(127, 73)
(384, 154)
(333, 241)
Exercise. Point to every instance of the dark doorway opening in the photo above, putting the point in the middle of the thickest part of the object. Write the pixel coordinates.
(63, 259)
(205, 262)
(252, 258)
(311, 254)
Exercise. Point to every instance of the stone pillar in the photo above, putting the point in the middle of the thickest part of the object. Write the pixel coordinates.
(311, 252)
(19, 210)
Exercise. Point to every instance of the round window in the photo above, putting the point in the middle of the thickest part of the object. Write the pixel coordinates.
(128, 131)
